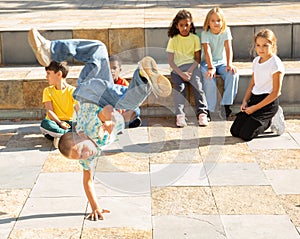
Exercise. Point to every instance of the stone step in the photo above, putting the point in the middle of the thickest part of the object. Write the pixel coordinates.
(21, 90)
(134, 42)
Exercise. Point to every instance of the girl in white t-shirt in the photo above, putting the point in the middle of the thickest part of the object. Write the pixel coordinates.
(260, 103)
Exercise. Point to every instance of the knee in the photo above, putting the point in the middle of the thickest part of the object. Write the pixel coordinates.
(234, 132)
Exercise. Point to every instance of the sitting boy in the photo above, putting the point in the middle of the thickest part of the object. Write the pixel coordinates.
(59, 102)
(95, 86)
(116, 68)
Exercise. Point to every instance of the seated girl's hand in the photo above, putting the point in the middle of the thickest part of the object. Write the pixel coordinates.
(211, 73)
(186, 76)
(231, 69)
(243, 106)
(97, 214)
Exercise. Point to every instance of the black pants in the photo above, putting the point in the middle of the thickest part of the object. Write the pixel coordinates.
(247, 126)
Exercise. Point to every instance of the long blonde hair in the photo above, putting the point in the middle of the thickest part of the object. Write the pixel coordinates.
(220, 12)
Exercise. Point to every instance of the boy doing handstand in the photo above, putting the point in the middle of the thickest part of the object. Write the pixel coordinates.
(98, 97)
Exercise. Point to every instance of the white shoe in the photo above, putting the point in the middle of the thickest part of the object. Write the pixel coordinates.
(203, 120)
(55, 142)
(161, 86)
(118, 127)
(40, 46)
(278, 123)
(180, 120)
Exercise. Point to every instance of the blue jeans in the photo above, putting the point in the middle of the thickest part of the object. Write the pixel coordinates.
(180, 87)
(95, 83)
(210, 86)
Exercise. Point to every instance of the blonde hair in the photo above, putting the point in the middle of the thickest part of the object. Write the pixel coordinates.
(220, 12)
(269, 36)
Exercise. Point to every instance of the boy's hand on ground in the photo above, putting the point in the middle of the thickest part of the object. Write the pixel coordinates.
(97, 214)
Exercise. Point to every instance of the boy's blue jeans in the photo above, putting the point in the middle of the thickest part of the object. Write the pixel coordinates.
(95, 83)
(210, 86)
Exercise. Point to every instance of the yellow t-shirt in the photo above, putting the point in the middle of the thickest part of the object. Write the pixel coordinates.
(62, 101)
(184, 48)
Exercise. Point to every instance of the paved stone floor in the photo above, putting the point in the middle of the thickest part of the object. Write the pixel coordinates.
(159, 182)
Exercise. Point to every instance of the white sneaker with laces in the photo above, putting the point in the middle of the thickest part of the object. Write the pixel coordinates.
(161, 86)
(40, 46)
(278, 123)
(180, 121)
(203, 120)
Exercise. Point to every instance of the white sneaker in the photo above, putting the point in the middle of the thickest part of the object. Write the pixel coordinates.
(203, 120)
(278, 123)
(180, 120)
(161, 86)
(40, 46)
(55, 142)
(118, 127)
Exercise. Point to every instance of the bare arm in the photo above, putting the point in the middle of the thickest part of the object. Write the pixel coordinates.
(277, 83)
(91, 195)
(229, 56)
(195, 63)
(247, 94)
(52, 116)
(184, 75)
(209, 61)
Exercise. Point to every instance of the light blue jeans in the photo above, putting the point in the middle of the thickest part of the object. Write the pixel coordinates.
(210, 86)
(95, 83)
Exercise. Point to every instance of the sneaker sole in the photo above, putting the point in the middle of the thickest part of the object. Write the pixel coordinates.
(35, 48)
(160, 84)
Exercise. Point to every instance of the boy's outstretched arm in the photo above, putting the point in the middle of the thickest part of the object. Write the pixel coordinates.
(91, 195)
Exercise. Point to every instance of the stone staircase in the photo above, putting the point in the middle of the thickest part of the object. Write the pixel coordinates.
(22, 80)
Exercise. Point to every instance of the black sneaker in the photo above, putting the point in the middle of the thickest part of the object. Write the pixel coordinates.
(137, 122)
(48, 136)
(225, 112)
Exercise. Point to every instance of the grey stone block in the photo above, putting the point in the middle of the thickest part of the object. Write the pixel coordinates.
(283, 33)
(16, 49)
(242, 42)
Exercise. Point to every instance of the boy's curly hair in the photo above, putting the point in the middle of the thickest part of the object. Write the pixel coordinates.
(181, 15)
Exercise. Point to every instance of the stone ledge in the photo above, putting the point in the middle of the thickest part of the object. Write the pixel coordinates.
(21, 95)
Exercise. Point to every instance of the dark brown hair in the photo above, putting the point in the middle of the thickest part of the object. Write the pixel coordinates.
(181, 15)
(58, 66)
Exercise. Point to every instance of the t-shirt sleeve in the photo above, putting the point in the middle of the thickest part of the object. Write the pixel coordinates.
(278, 66)
(170, 46)
(46, 95)
(228, 35)
(204, 37)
